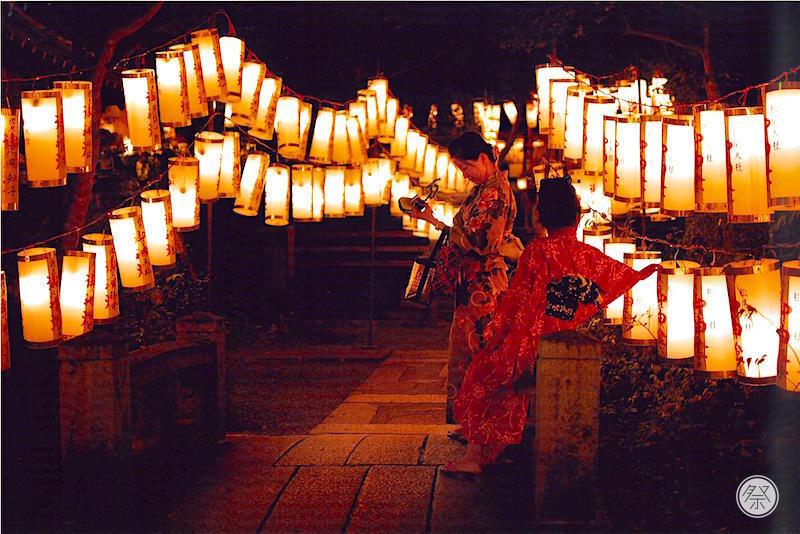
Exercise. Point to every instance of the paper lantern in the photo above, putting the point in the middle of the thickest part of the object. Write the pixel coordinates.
(302, 193)
(370, 99)
(609, 154)
(544, 73)
(184, 179)
(9, 153)
(789, 349)
(287, 125)
(230, 166)
(354, 190)
(76, 104)
(106, 285)
(746, 165)
(754, 288)
(421, 229)
(208, 151)
(5, 346)
(276, 195)
(510, 110)
(442, 163)
(573, 124)
(322, 140)
(207, 42)
(782, 108)
(380, 85)
(196, 90)
(388, 126)
(419, 154)
(244, 111)
(401, 186)
(133, 258)
(616, 248)
(358, 109)
(157, 220)
(264, 122)
(173, 89)
(334, 192)
(77, 293)
(253, 177)
(627, 159)
(141, 108)
(374, 183)
(677, 170)
(305, 127)
(39, 296)
(408, 161)
(340, 142)
(398, 147)
(640, 307)
(675, 283)
(491, 122)
(429, 166)
(437, 208)
(232, 55)
(651, 156)
(595, 107)
(532, 112)
(318, 184)
(711, 194)
(558, 110)
(714, 352)
(43, 126)
(596, 236)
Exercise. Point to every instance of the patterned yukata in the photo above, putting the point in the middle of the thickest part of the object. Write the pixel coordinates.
(483, 222)
(559, 283)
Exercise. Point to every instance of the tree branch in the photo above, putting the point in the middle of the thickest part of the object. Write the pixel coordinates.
(664, 39)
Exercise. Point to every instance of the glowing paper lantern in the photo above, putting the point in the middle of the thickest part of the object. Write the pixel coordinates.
(198, 103)
(401, 185)
(754, 288)
(318, 183)
(305, 127)
(558, 110)
(302, 193)
(422, 228)
(340, 149)
(640, 307)
(43, 125)
(676, 311)
(617, 248)
(596, 236)
(712, 177)
(408, 162)
(627, 159)
(173, 89)
(595, 107)
(353, 188)
(782, 108)
(651, 155)
(714, 352)
(419, 154)
(511, 111)
(429, 167)
(544, 73)
(244, 111)
(370, 100)
(276, 195)
(288, 127)
(388, 126)
(358, 109)
(322, 141)
(133, 258)
(253, 176)
(232, 54)
(677, 177)
(573, 124)
(106, 285)
(374, 183)
(789, 350)
(532, 112)
(9, 153)
(380, 85)
(609, 154)
(442, 163)
(230, 166)
(747, 165)
(438, 212)
(157, 220)
(208, 151)
(398, 147)
(334, 192)
(77, 293)
(76, 104)
(264, 122)
(211, 62)
(38, 296)
(184, 179)
(141, 108)
(5, 346)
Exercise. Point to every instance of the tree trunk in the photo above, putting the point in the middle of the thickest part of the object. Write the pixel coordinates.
(82, 196)
(712, 91)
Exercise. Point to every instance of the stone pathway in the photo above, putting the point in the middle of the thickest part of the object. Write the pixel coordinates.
(371, 465)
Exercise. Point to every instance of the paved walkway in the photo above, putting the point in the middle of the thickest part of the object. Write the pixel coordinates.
(371, 465)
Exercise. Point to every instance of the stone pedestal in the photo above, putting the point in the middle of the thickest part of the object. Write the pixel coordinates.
(204, 327)
(567, 424)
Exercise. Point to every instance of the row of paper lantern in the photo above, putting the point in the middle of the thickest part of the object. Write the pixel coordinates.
(741, 161)
(742, 319)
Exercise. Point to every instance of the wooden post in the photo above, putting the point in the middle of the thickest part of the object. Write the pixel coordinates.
(371, 278)
(567, 424)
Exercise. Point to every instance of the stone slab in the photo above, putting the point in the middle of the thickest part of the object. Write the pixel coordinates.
(413, 414)
(422, 372)
(322, 449)
(397, 398)
(352, 412)
(262, 449)
(360, 430)
(383, 449)
(318, 499)
(324, 353)
(394, 499)
(386, 374)
(441, 449)
(436, 387)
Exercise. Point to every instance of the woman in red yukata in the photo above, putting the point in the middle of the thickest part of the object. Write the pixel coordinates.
(559, 283)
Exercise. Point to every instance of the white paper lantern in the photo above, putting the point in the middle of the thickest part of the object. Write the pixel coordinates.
(77, 293)
(157, 220)
(334, 192)
(184, 181)
(133, 258)
(245, 110)
(9, 152)
(714, 351)
(276, 195)
(39, 296)
(712, 175)
(173, 89)
(640, 307)
(595, 107)
(232, 55)
(76, 104)
(747, 165)
(544, 73)
(789, 350)
(198, 103)
(616, 248)
(264, 122)
(207, 42)
(628, 163)
(43, 128)
(141, 108)
(208, 151)
(302, 193)
(676, 311)
(677, 177)
(322, 140)
(106, 285)
(782, 108)
(651, 156)
(253, 176)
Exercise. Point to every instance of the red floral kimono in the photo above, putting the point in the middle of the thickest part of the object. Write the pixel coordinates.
(559, 283)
